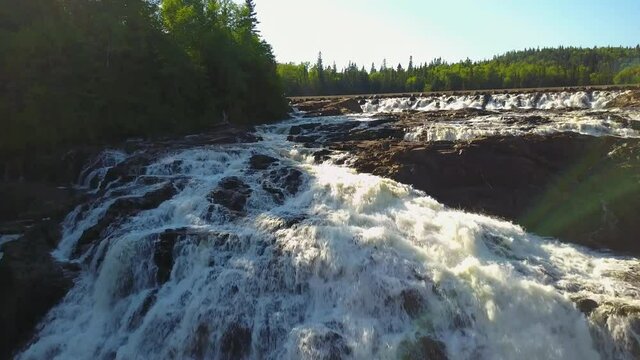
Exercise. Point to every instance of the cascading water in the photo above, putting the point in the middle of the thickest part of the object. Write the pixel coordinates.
(294, 259)
(542, 101)
(532, 122)
(514, 115)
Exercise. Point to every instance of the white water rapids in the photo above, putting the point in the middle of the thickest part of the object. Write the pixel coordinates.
(350, 266)
(541, 101)
(516, 124)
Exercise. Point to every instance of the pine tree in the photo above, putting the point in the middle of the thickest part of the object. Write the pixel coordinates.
(249, 19)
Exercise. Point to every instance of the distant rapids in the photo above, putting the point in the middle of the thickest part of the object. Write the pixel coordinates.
(541, 101)
(322, 262)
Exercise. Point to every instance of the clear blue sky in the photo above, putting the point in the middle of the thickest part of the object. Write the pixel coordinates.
(367, 31)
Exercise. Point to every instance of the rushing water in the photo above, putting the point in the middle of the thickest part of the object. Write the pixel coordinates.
(347, 266)
(536, 122)
(542, 101)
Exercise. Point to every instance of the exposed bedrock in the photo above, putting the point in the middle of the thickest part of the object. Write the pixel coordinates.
(329, 107)
(579, 188)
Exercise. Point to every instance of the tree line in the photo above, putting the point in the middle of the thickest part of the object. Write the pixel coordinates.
(547, 67)
(86, 71)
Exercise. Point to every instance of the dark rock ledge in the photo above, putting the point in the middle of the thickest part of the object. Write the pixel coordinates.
(578, 188)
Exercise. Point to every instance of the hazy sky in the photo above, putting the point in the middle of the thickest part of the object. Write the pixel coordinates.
(367, 31)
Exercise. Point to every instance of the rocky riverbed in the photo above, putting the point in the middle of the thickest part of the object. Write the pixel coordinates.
(555, 182)
(275, 242)
(39, 193)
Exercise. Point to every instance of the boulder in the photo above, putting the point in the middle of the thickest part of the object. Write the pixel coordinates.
(586, 306)
(261, 162)
(231, 193)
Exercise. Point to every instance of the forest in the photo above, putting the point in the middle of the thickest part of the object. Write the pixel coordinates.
(548, 67)
(84, 71)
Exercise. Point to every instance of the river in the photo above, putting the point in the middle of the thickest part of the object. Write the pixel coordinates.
(261, 251)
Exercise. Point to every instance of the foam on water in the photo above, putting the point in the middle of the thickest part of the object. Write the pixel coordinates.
(543, 101)
(516, 124)
(351, 266)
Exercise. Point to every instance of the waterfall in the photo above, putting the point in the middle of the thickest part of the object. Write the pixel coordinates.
(259, 251)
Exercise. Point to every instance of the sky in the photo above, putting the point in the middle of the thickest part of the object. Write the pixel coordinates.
(366, 31)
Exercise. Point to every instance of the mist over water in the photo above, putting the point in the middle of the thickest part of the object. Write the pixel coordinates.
(344, 265)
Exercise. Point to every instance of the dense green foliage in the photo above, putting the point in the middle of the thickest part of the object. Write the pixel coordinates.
(629, 75)
(517, 69)
(74, 71)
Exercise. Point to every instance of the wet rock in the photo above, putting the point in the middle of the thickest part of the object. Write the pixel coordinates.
(303, 138)
(120, 210)
(412, 302)
(235, 342)
(432, 349)
(586, 306)
(332, 129)
(322, 155)
(282, 182)
(373, 134)
(261, 162)
(304, 128)
(587, 195)
(127, 170)
(532, 120)
(32, 282)
(383, 121)
(163, 254)
(231, 193)
(139, 314)
(424, 347)
(200, 344)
